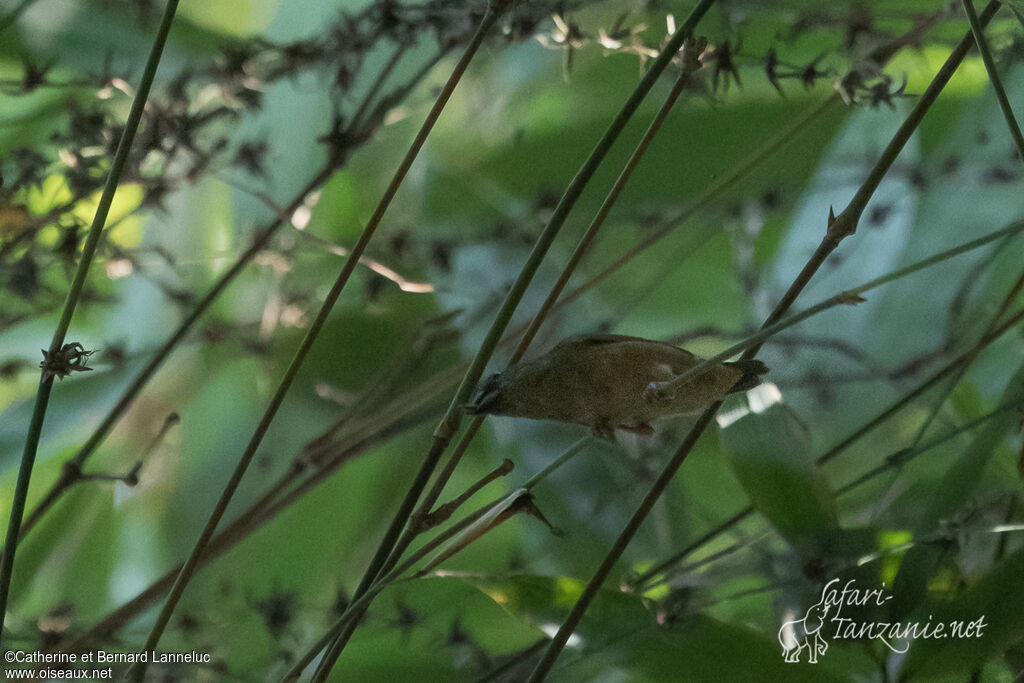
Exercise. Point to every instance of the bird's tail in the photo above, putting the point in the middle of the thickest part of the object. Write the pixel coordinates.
(752, 371)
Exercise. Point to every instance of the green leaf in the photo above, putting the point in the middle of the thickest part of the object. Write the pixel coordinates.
(770, 453)
(703, 649)
(618, 632)
(1017, 7)
(961, 479)
(992, 606)
(545, 602)
(919, 565)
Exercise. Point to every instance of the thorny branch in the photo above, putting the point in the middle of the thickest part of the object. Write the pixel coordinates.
(838, 228)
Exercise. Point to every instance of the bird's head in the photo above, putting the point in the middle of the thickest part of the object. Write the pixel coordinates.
(488, 399)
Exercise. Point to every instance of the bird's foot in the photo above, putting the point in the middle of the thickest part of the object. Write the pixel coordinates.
(644, 428)
(656, 394)
(603, 429)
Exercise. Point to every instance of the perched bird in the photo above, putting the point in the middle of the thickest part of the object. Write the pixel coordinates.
(607, 381)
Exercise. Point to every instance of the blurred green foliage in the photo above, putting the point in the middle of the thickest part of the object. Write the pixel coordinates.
(245, 97)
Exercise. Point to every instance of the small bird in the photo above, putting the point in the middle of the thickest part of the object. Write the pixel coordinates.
(609, 381)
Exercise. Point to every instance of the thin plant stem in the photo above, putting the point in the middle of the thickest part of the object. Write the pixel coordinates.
(405, 414)
(272, 502)
(891, 461)
(691, 53)
(142, 378)
(137, 672)
(336, 644)
(841, 446)
(450, 423)
(850, 296)
(1017, 13)
(262, 239)
(359, 605)
(902, 457)
(671, 224)
(962, 370)
(453, 417)
(612, 557)
(847, 297)
(838, 228)
(377, 85)
(993, 76)
(708, 196)
(498, 672)
(845, 224)
(707, 537)
(948, 369)
(74, 294)
(1018, 139)
(691, 63)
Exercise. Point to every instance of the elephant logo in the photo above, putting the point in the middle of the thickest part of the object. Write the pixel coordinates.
(805, 634)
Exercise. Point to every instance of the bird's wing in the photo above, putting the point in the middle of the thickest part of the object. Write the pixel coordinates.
(673, 358)
(599, 339)
(596, 339)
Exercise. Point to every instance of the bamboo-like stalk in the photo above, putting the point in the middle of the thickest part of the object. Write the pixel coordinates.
(554, 299)
(839, 227)
(889, 411)
(449, 424)
(239, 529)
(359, 605)
(708, 196)
(1008, 300)
(849, 297)
(255, 516)
(891, 462)
(137, 671)
(275, 499)
(691, 64)
(270, 503)
(263, 236)
(993, 76)
(35, 429)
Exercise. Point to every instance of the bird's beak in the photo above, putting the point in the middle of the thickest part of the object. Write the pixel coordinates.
(487, 399)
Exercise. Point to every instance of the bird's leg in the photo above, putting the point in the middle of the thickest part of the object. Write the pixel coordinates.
(603, 429)
(654, 393)
(644, 428)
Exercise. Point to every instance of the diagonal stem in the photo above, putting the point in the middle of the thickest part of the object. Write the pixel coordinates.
(839, 228)
(845, 443)
(452, 419)
(1008, 300)
(850, 296)
(709, 195)
(691, 63)
(142, 378)
(356, 130)
(390, 576)
(74, 294)
(560, 638)
(993, 75)
(137, 672)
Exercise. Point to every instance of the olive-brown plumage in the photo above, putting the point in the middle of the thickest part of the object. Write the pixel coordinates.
(601, 380)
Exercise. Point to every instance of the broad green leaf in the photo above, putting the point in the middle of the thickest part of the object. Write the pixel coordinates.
(918, 569)
(988, 616)
(961, 479)
(546, 601)
(704, 649)
(770, 453)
